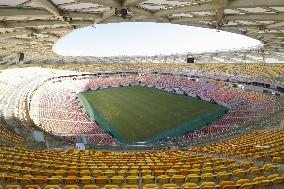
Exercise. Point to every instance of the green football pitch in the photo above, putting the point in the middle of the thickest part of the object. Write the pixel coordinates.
(136, 113)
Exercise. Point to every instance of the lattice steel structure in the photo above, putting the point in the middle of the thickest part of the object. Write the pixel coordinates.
(33, 26)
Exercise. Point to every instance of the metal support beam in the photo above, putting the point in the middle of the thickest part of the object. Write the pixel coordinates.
(188, 8)
(26, 12)
(18, 12)
(255, 3)
(107, 3)
(82, 15)
(24, 3)
(193, 19)
(49, 6)
(256, 17)
(137, 18)
(140, 11)
(114, 19)
(128, 3)
(33, 23)
(275, 25)
(220, 12)
(12, 34)
(109, 13)
(40, 24)
(215, 6)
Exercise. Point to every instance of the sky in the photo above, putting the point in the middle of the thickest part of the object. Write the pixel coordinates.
(147, 39)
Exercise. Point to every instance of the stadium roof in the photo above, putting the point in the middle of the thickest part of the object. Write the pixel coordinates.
(33, 26)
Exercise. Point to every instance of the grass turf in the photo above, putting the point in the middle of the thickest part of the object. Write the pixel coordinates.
(139, 113)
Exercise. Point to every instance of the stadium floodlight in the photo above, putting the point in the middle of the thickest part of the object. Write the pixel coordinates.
(121, 12)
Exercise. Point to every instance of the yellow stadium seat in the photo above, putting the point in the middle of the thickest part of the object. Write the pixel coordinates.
(71, 187)
(111, 186)
(277, 180)
(227, 185)
(90, 186)
(233, 166)
(60, 173)
(193, 178)
(104, 168)
(248, 184)
(52, 187)
(32, 187)
(55, 180)
(208, 170)
(262, 183)
(189, 186)
(101, 180)
(10, 179)
(186, 166)
(257, 179)
(171, 172)
(196, 166)
(12, 186)
(117, 180)
(39, 180)
(146, 172)
(221, 168)
(246, 165)
(270, 168)
(171, 167)
(129, 186)
(272, 176)
(240, 173)
(96, 173)
(254, 170)
(109, 173)
(71, 180)
(148, 179)
(170, 186)
(125, 168)
(25, 181)
(27, 176)
(163, 179)
(183, 172)
(207, 177)
(132, 180)
(48, 173)
(145, 167)
(84, 173)
(2, 175)
(93, 167)
(223, 176)
(86, 180)
(122, 173)
(178, 178)
(133, 173)
(151, 186)
(195, 171)
(208, 185)
(114, 168)
(277, 160)
(158, 172)
(72, 173)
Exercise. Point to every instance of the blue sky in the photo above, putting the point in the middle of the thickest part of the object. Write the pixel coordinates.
(146, 39)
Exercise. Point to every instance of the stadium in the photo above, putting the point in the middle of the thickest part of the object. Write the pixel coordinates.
(204, 119)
